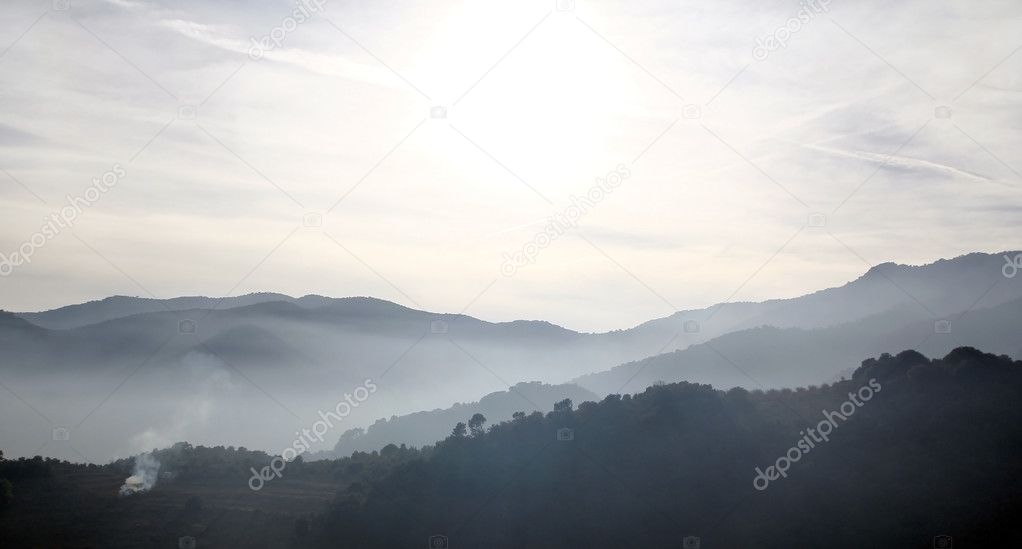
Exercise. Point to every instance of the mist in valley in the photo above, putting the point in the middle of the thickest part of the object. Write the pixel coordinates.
(127, 375)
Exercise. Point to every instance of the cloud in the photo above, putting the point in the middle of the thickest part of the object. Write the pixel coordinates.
(903, 163)
(13, 137)
(315, 62)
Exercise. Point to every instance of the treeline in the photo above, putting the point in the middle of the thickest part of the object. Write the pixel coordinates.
(186, 462)
(425, 428)
(21, 469)
(932, 451)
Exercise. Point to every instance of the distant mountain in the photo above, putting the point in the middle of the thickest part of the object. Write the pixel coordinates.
(934, 290)
(247, 344)
(424, 428)
(9, 321)
(772, 357)
(119, 306)
(938, 289)
(191, 357)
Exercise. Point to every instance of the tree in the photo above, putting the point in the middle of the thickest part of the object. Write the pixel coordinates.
(563, 406)
(459, 430)
(476, 424)
(6, 490)
(518, 416)
(6, 493)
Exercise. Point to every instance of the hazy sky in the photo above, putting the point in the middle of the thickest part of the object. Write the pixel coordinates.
(728, 149)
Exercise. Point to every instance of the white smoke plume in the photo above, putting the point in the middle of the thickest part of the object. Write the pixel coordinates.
(143, 478)
(189, 417)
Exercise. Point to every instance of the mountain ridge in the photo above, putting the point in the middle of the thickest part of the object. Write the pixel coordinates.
(51, 318)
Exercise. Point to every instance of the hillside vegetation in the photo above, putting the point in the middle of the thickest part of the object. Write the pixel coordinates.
(933, 451)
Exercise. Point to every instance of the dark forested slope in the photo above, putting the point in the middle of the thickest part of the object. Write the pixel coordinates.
(932, 451)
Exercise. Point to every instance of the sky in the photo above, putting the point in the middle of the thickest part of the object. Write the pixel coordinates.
(593, 164)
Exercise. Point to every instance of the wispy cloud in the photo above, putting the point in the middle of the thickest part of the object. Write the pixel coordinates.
(902, 163)
(319, 63)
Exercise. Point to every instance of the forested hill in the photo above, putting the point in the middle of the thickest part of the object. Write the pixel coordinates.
(932, 451)
(425, 428)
